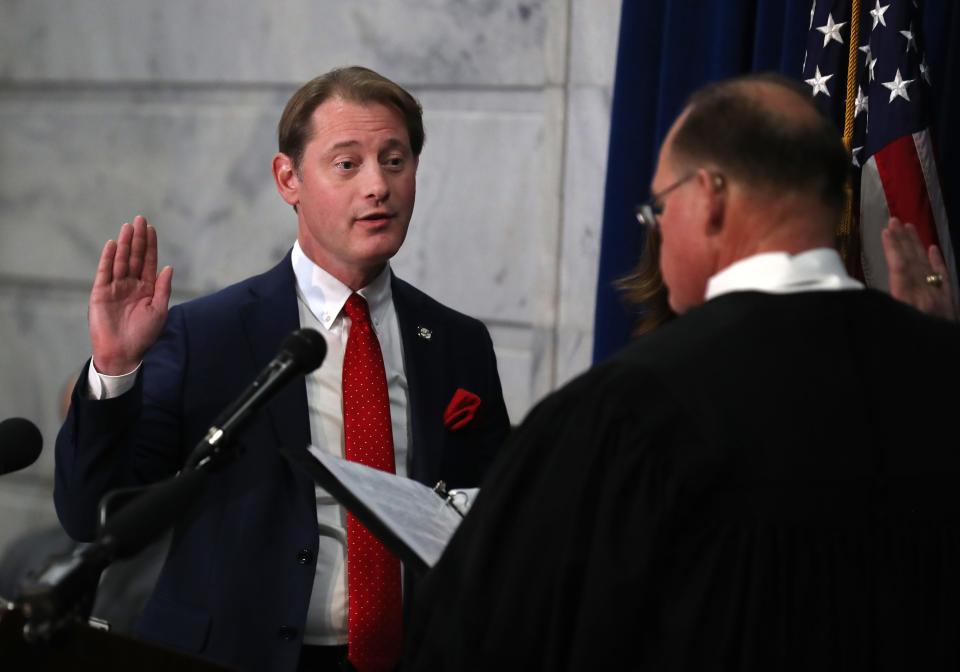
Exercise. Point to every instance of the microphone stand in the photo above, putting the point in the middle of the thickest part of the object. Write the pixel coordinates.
(64, 591)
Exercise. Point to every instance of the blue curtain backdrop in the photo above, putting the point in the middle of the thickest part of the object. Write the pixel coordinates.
(668, 48)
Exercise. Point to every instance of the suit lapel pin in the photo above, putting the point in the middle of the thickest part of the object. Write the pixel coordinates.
(424, 333)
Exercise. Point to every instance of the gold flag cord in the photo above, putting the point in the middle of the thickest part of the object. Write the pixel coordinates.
(847, 236)
(850, 110)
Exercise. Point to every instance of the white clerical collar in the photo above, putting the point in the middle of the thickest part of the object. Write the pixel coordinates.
(782, 273)
(325, 295)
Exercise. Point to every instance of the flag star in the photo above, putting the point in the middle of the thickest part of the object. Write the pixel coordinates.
(877, 14)
(871, 64)
(925, 70)
(911, 41)
(831, 31)
(866, 50)
(813, 10)
(898, 87)
(819, 83)
(861, 104)
(853, 156)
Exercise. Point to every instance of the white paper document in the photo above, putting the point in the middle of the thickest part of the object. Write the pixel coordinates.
(394, 508)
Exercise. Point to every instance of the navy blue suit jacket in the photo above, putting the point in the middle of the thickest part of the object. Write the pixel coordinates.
(236, 584)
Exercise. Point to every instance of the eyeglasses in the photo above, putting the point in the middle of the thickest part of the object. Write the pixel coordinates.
(648, 213)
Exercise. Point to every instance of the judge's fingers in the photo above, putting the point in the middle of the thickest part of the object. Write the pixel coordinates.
(894, 233)
(939, 266)
(105, 265)
(138, 247)
(896, 246)
(914, 246)
(121, 260)
(911, 251)
(936, 261)
(894, 224)
(889, 242)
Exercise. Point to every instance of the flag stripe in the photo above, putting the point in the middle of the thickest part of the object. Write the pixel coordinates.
(874, 214)
(905, 187)
(924, 145)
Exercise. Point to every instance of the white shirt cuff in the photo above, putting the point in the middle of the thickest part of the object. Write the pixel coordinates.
(102, 386)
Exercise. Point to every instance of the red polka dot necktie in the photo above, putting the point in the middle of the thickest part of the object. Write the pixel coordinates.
(374, 619)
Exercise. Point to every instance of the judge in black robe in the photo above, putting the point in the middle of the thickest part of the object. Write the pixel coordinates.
(769, 482)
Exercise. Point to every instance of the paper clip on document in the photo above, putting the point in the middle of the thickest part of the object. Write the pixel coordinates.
(458, 500)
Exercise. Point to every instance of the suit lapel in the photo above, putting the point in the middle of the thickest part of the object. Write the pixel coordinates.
(269, 317)
(424, 343)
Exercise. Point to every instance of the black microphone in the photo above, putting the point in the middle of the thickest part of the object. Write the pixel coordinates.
(20, 444)
(301, 352)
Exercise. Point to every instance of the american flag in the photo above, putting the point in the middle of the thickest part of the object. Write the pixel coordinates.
(889, 137)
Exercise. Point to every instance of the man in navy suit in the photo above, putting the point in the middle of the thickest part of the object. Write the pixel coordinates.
(256, 575)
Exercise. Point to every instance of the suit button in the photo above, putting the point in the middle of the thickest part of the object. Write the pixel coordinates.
(304, 557)
(287, 633)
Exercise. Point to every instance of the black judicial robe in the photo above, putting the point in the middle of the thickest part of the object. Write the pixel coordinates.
(768, 482)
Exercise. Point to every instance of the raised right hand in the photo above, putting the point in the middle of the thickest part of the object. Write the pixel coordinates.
(909, 266)
(128, 303)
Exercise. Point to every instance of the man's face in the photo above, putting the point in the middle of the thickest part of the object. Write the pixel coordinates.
(685, 259)
(355, 189)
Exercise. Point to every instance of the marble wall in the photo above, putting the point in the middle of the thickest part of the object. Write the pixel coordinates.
(113, 107)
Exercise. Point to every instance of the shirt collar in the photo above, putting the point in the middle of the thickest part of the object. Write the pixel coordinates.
(783, 273)
(325, 295)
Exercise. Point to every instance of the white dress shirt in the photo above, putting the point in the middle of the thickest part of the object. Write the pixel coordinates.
(320, 301)
(321, 298)
(782, 273)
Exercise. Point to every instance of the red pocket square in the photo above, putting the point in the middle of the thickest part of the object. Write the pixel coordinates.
(461, 410)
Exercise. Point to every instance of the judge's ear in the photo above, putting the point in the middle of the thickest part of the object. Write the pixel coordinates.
(714, 187)
(287, 179)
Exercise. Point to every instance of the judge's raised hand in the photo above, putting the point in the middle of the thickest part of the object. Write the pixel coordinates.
(916, 276)
(128, 303)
